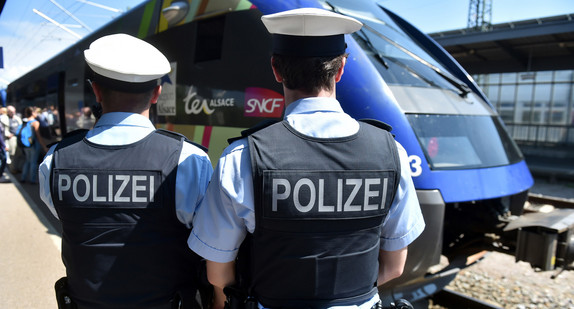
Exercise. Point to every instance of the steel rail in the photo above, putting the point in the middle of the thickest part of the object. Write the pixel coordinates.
(451, 299)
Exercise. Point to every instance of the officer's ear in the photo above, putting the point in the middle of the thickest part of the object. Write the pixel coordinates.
(155, 94)
(339, 74)
(97, 91)
(278, 76)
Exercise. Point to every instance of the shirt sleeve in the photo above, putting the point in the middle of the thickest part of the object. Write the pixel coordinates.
(44, 181)
(193, 174)
(405, 221)
(225, 215)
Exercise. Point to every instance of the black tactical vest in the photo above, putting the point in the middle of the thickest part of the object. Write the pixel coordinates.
(319, 206)
(122, 243)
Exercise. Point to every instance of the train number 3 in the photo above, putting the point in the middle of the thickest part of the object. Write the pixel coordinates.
(415, 162)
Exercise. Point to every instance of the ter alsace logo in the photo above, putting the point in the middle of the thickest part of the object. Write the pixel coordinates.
(261, 102)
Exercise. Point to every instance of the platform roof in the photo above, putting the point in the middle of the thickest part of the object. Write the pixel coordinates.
(531, 45)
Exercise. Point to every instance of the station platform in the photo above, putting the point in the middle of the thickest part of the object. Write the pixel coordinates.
(30, 261)
(554, 163)
(553, 176)
(551, 168)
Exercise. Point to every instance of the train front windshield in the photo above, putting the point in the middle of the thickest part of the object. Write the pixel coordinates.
(451, 136)
(454, 142)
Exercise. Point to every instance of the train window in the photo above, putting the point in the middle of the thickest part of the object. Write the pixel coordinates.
(397, 65)
(459, 141)
(400, 70)
(209, 39)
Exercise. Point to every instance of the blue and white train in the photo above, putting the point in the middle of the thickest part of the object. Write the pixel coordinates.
(471, 178)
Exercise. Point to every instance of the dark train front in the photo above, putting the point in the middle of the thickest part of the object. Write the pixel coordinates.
(471, 178)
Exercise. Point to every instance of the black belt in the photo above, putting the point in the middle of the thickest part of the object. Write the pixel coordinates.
(184, 299)
(399, 304)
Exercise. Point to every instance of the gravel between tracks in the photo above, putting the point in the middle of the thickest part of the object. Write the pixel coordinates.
(499, 280)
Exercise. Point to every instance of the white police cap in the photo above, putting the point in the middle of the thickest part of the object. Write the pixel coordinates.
(309, 32)
(123, 62)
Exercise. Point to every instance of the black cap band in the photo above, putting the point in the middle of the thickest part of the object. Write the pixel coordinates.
(118, 85)
(309, 46)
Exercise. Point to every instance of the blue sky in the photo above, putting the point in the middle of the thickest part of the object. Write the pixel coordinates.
(28, 39)
(439, 15)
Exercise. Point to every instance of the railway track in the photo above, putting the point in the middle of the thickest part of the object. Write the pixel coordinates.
(539, 199)
(448, 298)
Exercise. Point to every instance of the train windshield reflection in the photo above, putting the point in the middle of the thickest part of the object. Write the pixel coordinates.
(399, 64)
(459, 141)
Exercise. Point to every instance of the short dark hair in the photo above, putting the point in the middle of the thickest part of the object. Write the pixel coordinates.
(138, 100)
(308, 74)
(28, 111)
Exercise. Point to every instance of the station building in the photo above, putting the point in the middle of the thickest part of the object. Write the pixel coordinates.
(526, 69)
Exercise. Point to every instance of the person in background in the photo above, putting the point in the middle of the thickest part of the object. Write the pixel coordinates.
(86, 119)
(44, 127)
(3, 153)
(314, 211)
(10, 121)
(33, 151)
(4, 128)
(124, 192)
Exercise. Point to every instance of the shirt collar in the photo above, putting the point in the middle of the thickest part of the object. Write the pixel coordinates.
(124, 119)
(312, 105)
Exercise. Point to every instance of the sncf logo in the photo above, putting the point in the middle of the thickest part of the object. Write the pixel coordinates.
(261, 102)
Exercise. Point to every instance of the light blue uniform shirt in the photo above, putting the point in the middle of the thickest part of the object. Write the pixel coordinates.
(226, 214)
(193, 172)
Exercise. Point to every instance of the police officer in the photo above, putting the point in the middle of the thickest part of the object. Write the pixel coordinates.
(124, 192)
(323, 206)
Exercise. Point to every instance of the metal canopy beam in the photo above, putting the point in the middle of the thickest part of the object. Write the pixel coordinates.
(533, 45)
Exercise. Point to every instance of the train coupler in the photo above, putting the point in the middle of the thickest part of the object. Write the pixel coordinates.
(545, 240)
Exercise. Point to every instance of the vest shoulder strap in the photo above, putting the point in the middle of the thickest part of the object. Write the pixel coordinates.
(76, 133)
(378, 123)
(245, 133)
(180, 136)
(71, 137)
(387, 127)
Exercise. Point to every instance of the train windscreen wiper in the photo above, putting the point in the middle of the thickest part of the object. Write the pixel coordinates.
(377, 54)
(365, 38)
(461, 87)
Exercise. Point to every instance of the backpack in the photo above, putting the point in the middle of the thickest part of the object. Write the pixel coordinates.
(26, 134)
